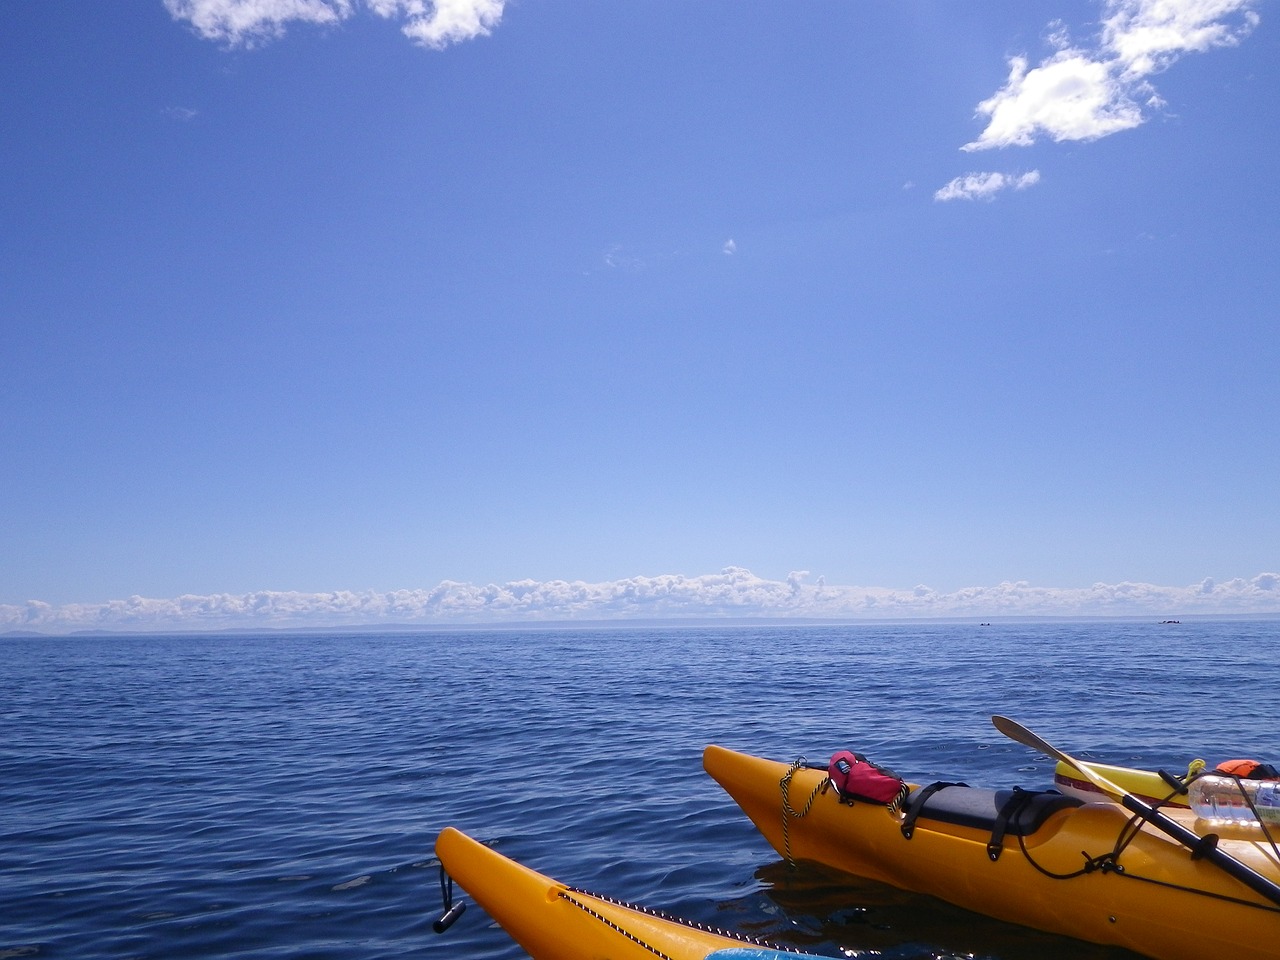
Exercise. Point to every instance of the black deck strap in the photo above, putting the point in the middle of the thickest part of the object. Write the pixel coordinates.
(1009, 810)
(917, 800)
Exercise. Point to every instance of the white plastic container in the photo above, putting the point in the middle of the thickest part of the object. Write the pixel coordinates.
(1215, 798)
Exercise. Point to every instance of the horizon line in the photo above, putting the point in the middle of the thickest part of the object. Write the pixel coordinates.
(733, 593)
(621, 623)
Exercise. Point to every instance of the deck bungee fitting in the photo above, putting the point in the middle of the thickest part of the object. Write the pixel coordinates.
(1154, 880)
(553, 921)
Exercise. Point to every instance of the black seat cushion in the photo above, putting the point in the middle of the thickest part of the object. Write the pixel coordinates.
(979, 808)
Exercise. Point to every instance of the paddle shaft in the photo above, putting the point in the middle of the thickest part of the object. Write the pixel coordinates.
(1206, 846)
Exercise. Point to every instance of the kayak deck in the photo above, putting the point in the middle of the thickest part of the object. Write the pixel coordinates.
(553, 921)
(1075, 871)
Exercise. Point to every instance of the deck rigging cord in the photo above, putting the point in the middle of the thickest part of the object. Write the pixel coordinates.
(1253, 809)
(572, 893)
(1109, 862)
(576, 896)
(789, 813)
(1201, 846)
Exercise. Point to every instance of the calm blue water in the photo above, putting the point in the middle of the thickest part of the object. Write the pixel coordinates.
(278, 797)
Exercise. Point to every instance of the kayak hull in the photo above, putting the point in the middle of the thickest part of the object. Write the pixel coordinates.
(1188, 909)
(552, 921)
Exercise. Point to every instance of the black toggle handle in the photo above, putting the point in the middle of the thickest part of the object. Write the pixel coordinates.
(448, 917)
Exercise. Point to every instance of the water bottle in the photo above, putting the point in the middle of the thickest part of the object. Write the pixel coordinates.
(1220, 798)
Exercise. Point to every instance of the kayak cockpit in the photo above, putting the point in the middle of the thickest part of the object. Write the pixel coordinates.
(1000, 813)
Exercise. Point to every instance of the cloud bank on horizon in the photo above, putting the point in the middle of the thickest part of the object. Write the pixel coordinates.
(733, 593)
(1083, 93)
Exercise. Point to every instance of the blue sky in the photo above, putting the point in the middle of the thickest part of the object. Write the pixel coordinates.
(316, 299)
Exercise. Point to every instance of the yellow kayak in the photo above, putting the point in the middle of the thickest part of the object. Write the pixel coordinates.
(552, 921)
(1147, 785)
(1085, 870)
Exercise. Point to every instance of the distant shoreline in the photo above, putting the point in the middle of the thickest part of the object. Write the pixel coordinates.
(690, 623)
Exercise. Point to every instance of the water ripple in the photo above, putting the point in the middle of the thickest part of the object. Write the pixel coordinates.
(278, 797)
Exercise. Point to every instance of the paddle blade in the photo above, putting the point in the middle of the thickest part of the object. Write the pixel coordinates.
(1017, 732)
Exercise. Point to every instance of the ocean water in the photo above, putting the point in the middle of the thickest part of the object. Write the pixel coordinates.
(278, 796)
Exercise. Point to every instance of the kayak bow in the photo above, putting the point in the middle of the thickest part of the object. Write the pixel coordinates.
(552, 921)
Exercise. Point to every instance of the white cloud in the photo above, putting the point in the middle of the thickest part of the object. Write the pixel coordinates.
(984, 186)
(1083, 93)
(431, 23)
(730, 247)
(443, 22)
(1148, 36)
(246, 22)
(732, 593)
(619, 258)
(1068, 97)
